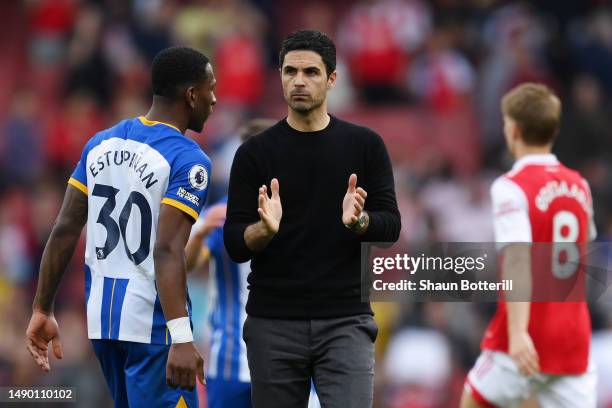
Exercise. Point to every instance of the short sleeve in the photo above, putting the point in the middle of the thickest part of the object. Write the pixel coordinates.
(510, 213)
(78, 178)
(189, 182)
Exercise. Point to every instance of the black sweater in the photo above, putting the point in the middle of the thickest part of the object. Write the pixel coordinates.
(311, 268)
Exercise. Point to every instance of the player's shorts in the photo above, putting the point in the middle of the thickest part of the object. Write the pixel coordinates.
(495, 381)
(228, 393)
(136, 375)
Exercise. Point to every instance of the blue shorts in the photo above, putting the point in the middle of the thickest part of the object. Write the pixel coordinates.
(228, 393)
(136, 375)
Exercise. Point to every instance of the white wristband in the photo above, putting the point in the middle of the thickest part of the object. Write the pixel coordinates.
(180, 330)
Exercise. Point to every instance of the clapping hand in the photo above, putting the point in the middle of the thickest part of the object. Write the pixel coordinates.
(270, 209)
(353, 202)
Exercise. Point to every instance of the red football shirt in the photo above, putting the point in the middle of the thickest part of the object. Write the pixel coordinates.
(542, 201)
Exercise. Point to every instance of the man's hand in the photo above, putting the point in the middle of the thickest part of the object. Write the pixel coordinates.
(524, 354)
(270, 209)
(43, 329)
(184, 364)
(214, 218)
(353, 202)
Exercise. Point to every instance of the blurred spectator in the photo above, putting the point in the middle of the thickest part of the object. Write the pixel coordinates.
(21, 150)
(50, 24)
(461, 208)
(420, 368)
(592, 46)
(417, 368)
(202, 23)
(70, 129)
(586, 125)
(15, 260)
(87, 69)
(232, 33)
(375, 38)
(241, 83)
(151, 28)
(441, 77)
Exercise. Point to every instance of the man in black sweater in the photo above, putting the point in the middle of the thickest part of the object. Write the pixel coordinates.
(331, 188)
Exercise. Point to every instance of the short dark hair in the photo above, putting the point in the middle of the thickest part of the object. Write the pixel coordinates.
(536, 110)
(175, 68)
(310, 40)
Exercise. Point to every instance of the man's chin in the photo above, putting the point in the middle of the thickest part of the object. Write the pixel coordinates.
(302, 108)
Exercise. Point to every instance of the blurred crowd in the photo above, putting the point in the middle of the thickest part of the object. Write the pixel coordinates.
(426, 75)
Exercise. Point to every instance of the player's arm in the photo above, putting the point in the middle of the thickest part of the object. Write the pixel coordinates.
(174, 227)
(516, 267)
(57, 253)
(512, 229)
(196, 253)
(184, 361)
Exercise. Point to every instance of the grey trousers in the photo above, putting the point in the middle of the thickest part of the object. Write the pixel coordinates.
(337, 354)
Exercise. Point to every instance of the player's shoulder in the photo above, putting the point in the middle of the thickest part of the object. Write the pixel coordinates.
(176, 148)
(542, 174)
(117, 130)
(504, 187)
(187, 151)
(570, 172)
(574, 176)
(504, 181)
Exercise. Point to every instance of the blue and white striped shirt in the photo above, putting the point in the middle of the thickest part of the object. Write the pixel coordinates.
(228, 281)
(127, 172)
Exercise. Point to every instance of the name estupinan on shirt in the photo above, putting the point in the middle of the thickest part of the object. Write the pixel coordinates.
(120, 158)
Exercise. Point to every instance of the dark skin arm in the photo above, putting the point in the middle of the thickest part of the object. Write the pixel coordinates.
(174, 226)
(60, 247)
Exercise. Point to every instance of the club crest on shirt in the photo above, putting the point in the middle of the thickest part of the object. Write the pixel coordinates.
(198, 177)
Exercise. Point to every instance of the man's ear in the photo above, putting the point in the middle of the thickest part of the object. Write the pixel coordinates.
(190, 96)
(331, 81)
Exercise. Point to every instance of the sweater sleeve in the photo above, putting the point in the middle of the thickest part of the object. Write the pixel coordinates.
(381, 204)
(241, 203)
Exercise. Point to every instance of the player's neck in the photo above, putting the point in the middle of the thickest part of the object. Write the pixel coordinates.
(166, 113)
(526, 150)
(313, 121)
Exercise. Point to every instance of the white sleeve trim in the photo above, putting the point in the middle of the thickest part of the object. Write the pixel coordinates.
(510, 213)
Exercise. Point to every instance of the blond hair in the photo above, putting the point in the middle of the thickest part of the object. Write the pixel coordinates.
(536, 110)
